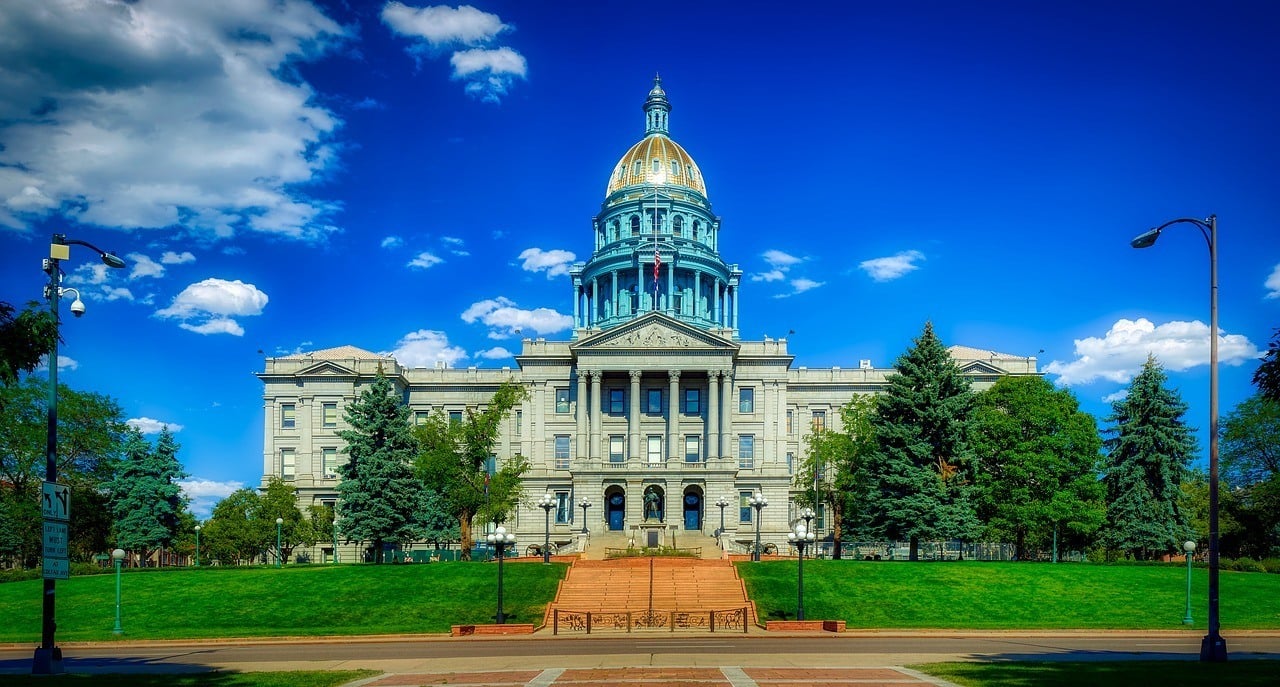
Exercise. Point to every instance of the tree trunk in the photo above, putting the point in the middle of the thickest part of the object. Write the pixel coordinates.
(377, 552)
(1020, 544)
(464, 532)
(913, 553)
(837, 517)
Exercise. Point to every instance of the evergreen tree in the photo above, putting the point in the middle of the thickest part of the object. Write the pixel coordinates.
(145, 496)
(381, 498)
(1148, 450)
(1038, 457)
(1267, 376)
(922, 470)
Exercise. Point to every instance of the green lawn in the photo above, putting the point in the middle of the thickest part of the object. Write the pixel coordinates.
(975, 595)
(292, 601)
(301, 678)
(1248, 673)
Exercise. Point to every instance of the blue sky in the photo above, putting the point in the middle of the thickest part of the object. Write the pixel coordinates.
(287, 176)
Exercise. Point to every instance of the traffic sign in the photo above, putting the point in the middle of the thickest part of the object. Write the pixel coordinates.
(55, 539)
(55, 501)
(56, 569)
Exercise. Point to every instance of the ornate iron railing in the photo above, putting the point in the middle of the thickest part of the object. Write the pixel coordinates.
(725, 620)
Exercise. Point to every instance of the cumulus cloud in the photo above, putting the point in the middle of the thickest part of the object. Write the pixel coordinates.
(94, 282)
(209, 306)
(488, 73)
(392, 242)
(554, 262)
(456, 245)
(495, 353)
(148, 425)
(424, 348)
(144, 266)
(799, 286)
(65, 363)
(779, 264)
(504, 319)
(1117, 396)
(161, 114)
(425, 260)
(1273, 283)
(892, 267)
(1119, 354)
(171, 258)
(204, 494)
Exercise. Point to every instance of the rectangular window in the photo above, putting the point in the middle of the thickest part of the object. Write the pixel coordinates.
(746, 400)
(819, 420)
(455, 417)
(617, 401)
(746, 452)
(790, 422)
(744, 507)
(519, 422)
(562, 451)
(693, 449)
(329, 462)
(288, 417)
(653, 401)
(420, 417)
(692, 401)
(562, 400)
(329, 415)
(288, 463)
(655, 449)
(820, 523)
(563, 510)
(791, 461)
(616, 450)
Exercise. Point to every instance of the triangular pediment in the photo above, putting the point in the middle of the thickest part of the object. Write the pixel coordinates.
(651, 331)
(325, 368)
(978, 367)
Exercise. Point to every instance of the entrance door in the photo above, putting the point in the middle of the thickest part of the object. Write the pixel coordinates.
(692, 511)
(617, 506)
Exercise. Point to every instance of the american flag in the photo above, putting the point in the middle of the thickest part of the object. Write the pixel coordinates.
(657, 262)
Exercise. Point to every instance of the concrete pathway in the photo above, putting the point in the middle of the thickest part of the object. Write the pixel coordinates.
(724, 676)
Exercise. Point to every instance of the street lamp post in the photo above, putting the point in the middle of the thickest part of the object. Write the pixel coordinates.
(1212, 647)
(117, 556)
(801, 537)
(197, 546)
(48, 656)
(758, 502)
(722, 503)
(279, 548)
(807, 515)
(500, 538)
(335, 541)
(584, 504)
(546, 503)
(1189, 548)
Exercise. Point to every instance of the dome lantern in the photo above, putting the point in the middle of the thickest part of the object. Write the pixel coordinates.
(656, 109)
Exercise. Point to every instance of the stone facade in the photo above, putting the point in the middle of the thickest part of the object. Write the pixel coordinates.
(653, 411)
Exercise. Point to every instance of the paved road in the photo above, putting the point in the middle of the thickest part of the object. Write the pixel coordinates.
(434, 654)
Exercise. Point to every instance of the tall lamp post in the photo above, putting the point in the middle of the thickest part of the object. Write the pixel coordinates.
(722, 503)
(801, 537)
(807, 515)
(117, 556)
(48, 656)
(279, 548)
(197, 546)
(758, 502)
(335, 541)
(546, 503)
(500, 538)
(584, 504)
(1189, 548)
(1213, 647)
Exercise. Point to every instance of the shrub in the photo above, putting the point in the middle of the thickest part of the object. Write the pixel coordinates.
(1271, 564)
(1247, 565)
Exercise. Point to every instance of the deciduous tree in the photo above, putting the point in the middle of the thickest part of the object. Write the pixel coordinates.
(834, 470)
(236, 531)
(25, 339)
(280, 500)
(1267, 376)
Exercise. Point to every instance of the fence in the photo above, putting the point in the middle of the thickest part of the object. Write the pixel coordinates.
(730, 620)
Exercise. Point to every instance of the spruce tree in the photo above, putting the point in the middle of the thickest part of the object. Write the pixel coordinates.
(921, 473)
(381, 498)
(1148, 450)
(146, 498)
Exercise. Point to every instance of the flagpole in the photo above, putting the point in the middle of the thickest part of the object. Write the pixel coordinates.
(658, 178)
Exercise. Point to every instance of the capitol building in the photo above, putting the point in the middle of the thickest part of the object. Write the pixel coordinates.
(654, 411)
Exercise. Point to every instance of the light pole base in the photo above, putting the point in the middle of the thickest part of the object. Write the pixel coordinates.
(47, 662)
(1213, 649)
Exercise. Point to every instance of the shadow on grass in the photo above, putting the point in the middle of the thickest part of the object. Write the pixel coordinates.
(164, 671)
(1109, 670)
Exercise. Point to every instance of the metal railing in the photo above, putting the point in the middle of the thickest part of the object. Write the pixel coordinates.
(724, 620)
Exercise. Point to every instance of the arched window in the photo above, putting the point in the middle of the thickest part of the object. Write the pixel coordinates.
(697, 230)
(635, 225)
(636, 172)
(677, 225)
(675, 169)
(657, 166)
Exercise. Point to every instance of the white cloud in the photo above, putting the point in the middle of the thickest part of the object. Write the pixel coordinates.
(495, 353)
(452, 240)
(554, 262)
(171, 258)
(771, 275)
(1120, 353)
(1273, 283)
(504, 319)
(488, 74)
(392, 242)
(212, 303)
(425, 260)
(148, 425)
(116, 293)
(799, 286)
(90, 273)
(144, 266)
(1117, 396)
(161, 114)
(65, 363)
(892, 267)
(779, 262)
(442, 26)
(424, 348)
(204, 494)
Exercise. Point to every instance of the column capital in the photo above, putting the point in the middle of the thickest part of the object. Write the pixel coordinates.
(635, 376)
(713, 374)
(673, 375)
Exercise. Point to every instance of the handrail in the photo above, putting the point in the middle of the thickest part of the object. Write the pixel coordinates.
(733, 619)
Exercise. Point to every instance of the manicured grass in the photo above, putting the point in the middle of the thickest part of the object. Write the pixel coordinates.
(976, 595)
(292, 601)
(1248, 673)
(302, 678)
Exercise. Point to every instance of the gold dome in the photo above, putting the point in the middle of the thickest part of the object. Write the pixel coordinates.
(656, 160)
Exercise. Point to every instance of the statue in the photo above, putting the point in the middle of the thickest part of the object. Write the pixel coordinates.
(652, 505)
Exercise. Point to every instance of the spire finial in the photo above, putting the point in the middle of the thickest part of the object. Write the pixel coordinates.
(656, 108)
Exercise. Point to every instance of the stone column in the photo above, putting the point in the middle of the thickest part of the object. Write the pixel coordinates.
(596, 405)
(713, 414)
(673, 413)
(595, 301)
(671, 286)
(577, 292)
(639, 285)
(613, 308)
(697, 292)
(735, 307)
(726, 423)
(582, 414)
(715, 304)
(633, 418)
